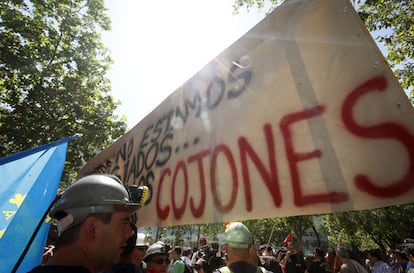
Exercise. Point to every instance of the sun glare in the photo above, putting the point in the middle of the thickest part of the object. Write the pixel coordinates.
(158, 46)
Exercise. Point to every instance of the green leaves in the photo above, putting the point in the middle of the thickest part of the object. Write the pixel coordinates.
(395, 20)
(53, 78)
(382, 228)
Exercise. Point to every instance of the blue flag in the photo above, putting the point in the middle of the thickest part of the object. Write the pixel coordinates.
(29, 181)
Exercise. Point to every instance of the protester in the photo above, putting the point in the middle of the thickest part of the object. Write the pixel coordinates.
(408, 249)
(178, 264)
(269, 261)
(215, 257)
(138, 254)
(202, 243)
(186, 255)
(319, 264)
(293, 261)
(157, 258)
(201, 266)
(240, 248)
(349, 265)
(400, 261)
(93, 217)
(377, 263)
(266, 250)
(333, 261)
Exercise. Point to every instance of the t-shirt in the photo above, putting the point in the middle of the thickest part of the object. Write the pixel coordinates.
(179, 266)
(319, 266)
(59, 269)
(295, 264)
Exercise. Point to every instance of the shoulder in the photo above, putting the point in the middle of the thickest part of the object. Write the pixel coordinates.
(179, 263)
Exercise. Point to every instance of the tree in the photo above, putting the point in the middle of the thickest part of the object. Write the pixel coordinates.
(274, 230)
(52, 78)
(266, 231)
(298, 224)
(391, 23)
(384, 228)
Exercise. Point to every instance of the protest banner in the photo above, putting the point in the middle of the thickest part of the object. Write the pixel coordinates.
(301, 115)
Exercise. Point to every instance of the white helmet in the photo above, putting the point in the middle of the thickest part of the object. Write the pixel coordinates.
(156, 248)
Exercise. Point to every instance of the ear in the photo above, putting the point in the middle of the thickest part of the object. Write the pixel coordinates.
(89, 228)
(249, 251)
(252, 250)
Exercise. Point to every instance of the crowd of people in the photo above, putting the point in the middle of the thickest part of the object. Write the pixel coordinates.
(96, 235)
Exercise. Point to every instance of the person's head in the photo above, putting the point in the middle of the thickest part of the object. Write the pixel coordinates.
(330, 254)
(187, 252)
(239, 243)
(374, 255)
(156, 257)
(202, 241)
(291, 247)
(408, 249)
(176, 253)
(141, 247)
(400, 257)
(94, 213)
(267, 250)
(201, 266)
(319, 253)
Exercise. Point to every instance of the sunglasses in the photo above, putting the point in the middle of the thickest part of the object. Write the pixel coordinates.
(161, 261)
(141, 248)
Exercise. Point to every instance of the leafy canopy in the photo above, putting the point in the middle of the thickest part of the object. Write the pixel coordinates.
(53, 78)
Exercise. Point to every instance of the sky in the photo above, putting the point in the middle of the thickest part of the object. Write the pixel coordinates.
(158, 45)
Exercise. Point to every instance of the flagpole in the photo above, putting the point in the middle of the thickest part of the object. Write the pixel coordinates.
(337, 246)
(29, 243)
(271, 234)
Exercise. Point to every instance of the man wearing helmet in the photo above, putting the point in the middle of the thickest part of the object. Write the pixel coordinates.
(93, 218)
(138, 254)
(241, 251)
(156, 258)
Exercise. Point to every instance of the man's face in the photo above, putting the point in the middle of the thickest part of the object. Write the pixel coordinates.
(159, 263)
(111, 238)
